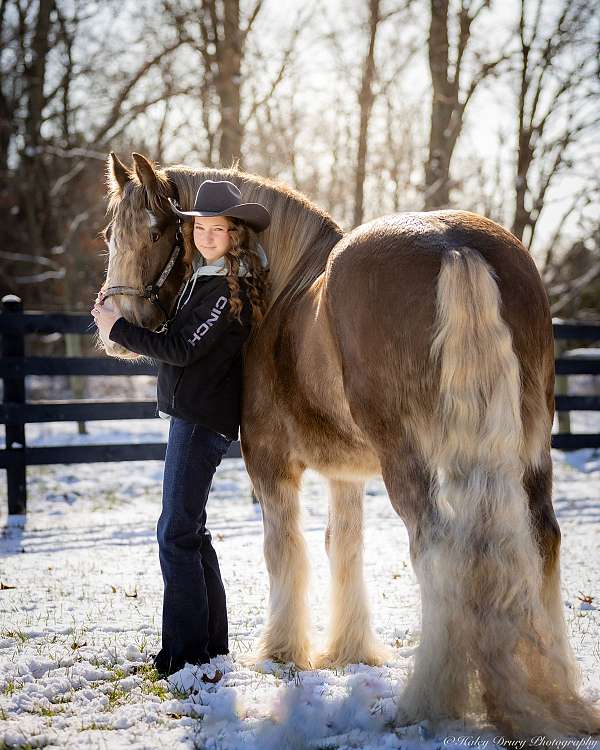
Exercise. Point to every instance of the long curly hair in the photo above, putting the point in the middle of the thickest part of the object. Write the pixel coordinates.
(244, 244)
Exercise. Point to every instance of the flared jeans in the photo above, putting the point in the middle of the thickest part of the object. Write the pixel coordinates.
(194, 616)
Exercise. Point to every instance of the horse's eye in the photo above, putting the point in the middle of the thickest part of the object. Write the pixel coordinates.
(155, 236)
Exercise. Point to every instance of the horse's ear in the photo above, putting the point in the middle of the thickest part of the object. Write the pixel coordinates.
(145, 172)
(118, 174)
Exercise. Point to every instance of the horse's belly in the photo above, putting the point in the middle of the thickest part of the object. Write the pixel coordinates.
(322, 432)
(333, 454)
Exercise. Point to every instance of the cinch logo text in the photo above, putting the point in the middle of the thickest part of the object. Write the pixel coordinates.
(215, 313)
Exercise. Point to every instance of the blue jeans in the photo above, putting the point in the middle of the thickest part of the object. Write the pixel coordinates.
(194, 621)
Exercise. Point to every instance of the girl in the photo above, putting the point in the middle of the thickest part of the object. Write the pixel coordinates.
(199, 389)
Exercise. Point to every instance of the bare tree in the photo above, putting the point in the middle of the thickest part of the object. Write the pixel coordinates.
(365, 103)
(376, 84)
(397, 158)
(574, 284)
(558, 77)
(34, 181)
(213, 86)
(52, 139)
(215, 30)
(451, 93)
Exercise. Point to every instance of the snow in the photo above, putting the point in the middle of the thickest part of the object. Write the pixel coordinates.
(80, 614)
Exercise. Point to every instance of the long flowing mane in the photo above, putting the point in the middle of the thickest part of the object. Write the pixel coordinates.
(300, 237)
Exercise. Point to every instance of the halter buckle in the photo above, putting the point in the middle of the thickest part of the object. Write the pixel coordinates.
(151, 292)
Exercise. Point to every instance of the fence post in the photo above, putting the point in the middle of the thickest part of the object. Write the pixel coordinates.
(561, 388)
(73, 348)
(13, 345)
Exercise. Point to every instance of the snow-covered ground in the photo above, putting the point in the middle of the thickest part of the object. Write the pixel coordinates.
(80, 600)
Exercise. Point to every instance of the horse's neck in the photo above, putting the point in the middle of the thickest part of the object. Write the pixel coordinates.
(295, 261)
(300, 237)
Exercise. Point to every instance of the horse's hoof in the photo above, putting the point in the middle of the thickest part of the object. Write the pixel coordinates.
(334, 658)
(300, 658)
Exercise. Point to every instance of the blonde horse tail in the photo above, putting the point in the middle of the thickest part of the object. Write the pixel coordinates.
(485, 564)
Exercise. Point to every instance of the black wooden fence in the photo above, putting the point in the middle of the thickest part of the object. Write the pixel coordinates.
(15, 412)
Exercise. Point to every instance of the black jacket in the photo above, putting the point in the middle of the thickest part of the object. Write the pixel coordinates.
(199, 357)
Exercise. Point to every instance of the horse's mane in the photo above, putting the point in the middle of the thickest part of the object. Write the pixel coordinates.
(300, 236)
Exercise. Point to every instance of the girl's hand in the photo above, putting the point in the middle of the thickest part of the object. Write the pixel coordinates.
(105, 316)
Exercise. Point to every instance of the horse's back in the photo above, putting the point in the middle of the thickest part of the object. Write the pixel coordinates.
(407, 249)
(391, 266)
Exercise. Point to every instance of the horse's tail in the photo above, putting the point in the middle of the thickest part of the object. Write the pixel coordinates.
(488, 566)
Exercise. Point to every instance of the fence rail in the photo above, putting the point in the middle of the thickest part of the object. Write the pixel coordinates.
(16, 412)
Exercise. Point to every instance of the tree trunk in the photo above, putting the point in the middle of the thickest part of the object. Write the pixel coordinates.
(444, 100)
(6, 107)
(35, 188)
(524, 158)
(524, 153)
(365, 101)
(228, 85)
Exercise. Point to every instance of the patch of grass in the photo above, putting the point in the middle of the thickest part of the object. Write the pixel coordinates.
(45, 711)
(147, 671)
(143, 644)
(156, 688)
(116, 696)
(94, 726)
(179, 694)
(18, 635)
(11, 687)
(154, 684)
(118, 674)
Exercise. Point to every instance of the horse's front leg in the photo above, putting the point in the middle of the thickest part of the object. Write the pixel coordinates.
(277, 483)
(351, 638)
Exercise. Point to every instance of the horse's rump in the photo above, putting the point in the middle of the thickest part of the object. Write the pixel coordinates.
(381, 293)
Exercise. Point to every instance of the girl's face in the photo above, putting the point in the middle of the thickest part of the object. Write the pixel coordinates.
(211, 236)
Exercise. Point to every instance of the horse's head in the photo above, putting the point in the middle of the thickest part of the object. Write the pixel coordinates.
(144, 271)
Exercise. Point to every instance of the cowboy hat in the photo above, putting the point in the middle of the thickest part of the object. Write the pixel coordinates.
(223, 198)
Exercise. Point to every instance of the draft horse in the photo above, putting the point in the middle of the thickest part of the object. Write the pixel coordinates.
(417, 347)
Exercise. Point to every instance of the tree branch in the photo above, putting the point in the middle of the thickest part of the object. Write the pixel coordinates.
(253, 16)
(575, 288)
(115, 112)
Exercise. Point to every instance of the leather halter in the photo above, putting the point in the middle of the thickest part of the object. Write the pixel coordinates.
(151, 291)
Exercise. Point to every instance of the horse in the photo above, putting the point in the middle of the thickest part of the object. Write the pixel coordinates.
(417, 347)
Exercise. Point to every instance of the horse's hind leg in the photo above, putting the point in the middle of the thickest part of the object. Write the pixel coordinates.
(537, 480)
(277, 483)
(437, 687)
(538, 486)
(351, 638)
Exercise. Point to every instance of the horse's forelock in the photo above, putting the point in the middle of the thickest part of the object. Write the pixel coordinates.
(130, 212)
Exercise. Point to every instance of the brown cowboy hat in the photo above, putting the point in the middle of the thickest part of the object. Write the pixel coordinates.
(223, 198)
